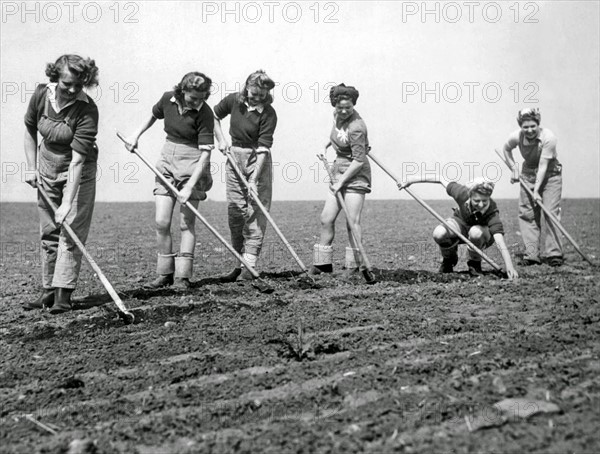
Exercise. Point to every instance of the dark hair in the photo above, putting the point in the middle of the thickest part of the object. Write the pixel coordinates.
(341, 92)
(193, 81)
(84, 69)
(257, 79)
(529, 114)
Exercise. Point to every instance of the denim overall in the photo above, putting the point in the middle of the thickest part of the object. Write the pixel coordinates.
(247, 223)
(531, 221)
(61, 259)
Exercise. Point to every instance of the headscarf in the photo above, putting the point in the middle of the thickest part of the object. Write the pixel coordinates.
(341, 90)
(529, 113)
(481, 186)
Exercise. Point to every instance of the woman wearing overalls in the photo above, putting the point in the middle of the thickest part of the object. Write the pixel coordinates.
(543, 174)
(67, 120)
(252, 125)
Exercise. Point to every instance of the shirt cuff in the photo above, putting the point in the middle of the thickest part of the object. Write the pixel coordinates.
(263, 149)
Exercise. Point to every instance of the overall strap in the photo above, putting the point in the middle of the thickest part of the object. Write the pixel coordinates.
(46, 103)
(73, 111)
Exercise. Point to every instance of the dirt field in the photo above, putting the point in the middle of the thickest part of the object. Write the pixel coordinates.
(414, 363)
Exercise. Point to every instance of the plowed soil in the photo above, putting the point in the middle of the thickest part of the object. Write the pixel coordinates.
(413, 363)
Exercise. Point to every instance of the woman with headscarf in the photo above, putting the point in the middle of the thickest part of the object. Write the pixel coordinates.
(476, 217)
(352, 177)
(252, 125)
(64, 165)
(543, 174)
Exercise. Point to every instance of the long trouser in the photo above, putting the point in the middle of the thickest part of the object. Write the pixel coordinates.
(531, 222)
(247, 223)
(61, 258)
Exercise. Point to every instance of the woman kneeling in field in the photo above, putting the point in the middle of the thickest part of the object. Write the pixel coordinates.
(184, 161)
(476, 217)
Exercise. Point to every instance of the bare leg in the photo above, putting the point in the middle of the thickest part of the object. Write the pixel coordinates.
(164, 212)
(354, 206)
(330, 212)
(187, 223)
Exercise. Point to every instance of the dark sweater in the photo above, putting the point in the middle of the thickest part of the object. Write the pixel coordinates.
(194, 127)
(249, 129)
(84, 124)
(464, 213)
(350, 140)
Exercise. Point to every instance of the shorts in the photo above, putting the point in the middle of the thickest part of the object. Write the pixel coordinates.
(177, 163)
(463, 228)
(360, 183)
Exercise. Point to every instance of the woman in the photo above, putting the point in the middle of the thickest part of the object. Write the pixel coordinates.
(352, 176)
(184, 162)
(476, 217)
(67, 120)
(252, 125)
(543, 174)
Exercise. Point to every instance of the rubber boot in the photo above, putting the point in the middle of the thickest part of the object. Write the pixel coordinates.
(251, 259)
(62, 301)
(449, 260)
(184, 265)
(475, 268)
(165, 267)
(232, 276)
(352, 254)
(46, 299)
(322, 259)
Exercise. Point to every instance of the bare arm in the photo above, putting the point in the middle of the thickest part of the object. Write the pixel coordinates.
(201, 167)
(220, 136)
(427, 178)
(133, 139)
(30, 143)
(501, 245)
(508, 156)
(73, 180)
(261, 156)
(539, 178)
(352, 170)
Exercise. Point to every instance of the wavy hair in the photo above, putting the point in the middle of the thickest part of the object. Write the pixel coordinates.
(260, 80)
(193, 81)
(528, 114)
(481, 186)
(84, 69)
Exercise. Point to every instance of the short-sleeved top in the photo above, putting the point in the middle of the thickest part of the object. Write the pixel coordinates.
(183, 125)
(249, 127)
(350, 140)
(543, 146)
(465, 213)
(83, 119)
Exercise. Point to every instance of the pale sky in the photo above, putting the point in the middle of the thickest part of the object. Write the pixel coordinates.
(440, 82)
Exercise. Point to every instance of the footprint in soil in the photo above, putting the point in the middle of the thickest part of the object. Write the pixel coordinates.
(71, 383)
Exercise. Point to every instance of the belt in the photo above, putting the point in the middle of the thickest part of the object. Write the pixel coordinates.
(244, 145)
(554, 168)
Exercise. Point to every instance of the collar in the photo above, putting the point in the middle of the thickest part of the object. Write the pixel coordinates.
(181, 109)
(526, 141)
(52, 97)
(347, 120)
(259, 107)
